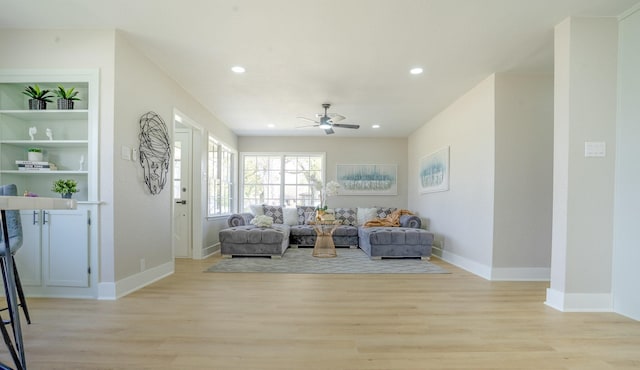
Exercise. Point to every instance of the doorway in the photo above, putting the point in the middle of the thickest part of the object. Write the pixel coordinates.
(182, 193)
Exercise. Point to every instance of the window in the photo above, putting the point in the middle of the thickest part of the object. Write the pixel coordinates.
(281, 179)
(221, 170)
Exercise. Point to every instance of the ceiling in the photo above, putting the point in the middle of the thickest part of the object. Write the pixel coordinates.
(298, 54)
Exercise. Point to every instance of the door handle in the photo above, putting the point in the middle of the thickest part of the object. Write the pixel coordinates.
(181, 201)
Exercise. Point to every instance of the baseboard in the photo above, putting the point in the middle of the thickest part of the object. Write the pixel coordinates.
(521, 274)
(579, 302)
(211, 250)
(466, 264)
(132, 283)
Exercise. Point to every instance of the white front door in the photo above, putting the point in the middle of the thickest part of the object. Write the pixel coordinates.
(182, 193)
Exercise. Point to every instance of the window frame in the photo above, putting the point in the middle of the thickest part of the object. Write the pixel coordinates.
(232, 182)
(241, 172)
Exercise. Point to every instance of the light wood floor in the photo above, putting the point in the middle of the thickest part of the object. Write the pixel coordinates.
(196, 320)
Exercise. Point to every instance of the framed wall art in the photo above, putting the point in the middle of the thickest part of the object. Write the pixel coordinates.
(367, 179)
(434, 172)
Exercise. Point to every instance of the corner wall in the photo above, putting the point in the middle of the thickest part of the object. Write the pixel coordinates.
(626, 254)
(461, 217)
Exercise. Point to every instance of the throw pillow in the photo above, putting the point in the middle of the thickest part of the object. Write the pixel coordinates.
(274, 212)
(384, 211)
(256, 209)
(366, 214)
(290, 216)
(302, 214)
(346, 216)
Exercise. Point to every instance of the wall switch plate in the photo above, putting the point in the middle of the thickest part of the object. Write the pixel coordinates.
(595, 149)
(125, 153)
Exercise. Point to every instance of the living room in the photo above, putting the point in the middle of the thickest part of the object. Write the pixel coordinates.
(477, 220)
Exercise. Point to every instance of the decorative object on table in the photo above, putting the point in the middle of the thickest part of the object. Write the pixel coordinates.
(66, 97)
(434, 171)
(29, 194)
(81, 163)
(262, 221)
(155, 151)
(32, 132)
(329, 190)
(49, 134)
(65, 188)
(34, 154)
(38, 97)
(368, 179)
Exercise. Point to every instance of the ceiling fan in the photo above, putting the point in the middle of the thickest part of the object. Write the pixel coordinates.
(327, 121)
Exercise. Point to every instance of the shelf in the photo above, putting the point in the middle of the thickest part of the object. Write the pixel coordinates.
(48, 114)
(46, 143)
(65, 172)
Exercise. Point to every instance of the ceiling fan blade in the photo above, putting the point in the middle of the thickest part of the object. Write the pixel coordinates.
(336, 118)
(345, 125)
(329, 131)
(308, 119)
(305, 126)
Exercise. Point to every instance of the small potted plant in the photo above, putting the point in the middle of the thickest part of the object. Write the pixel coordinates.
(34, 154)
(65, 188)
(66, 97)
(38, 97)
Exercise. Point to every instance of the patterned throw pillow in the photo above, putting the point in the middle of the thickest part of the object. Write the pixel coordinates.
(384, 211)
(303, 211)
(274, 212)
(346, 216)
(366, 214)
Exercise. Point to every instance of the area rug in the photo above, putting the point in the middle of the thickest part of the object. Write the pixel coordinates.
(348, 261)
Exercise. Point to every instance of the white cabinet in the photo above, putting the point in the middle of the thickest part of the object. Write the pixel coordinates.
(59, 254)
(55, 249)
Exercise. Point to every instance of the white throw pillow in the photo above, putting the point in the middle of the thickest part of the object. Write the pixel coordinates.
(366, 214)
(256, 209)
(290, 216)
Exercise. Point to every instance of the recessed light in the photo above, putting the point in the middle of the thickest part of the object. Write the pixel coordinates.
(271, 125)
(375, 126)
(416, 70)
(238, 69)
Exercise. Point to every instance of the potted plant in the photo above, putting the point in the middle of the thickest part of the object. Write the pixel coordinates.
(66, 97)
(38, 97)
(65, 187)
(34, 154)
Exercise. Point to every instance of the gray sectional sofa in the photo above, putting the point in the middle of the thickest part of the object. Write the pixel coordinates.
(290, 228)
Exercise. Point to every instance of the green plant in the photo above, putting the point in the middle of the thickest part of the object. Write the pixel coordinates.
(34, 92)
(70, 94)
(34, 150)
(65, 186)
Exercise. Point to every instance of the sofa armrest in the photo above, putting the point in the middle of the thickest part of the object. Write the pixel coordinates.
(410, 221)
(239, 219)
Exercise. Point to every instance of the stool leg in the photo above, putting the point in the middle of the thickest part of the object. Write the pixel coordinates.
(9, 343)
(23, 301)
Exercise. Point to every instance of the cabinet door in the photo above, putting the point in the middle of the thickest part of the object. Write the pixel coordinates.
(65, 246)
(29, 257)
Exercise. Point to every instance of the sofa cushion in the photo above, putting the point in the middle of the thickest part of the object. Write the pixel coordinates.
(256, 209)
(274, 212)
(290, 216)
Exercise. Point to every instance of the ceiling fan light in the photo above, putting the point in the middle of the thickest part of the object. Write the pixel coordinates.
(325, 125)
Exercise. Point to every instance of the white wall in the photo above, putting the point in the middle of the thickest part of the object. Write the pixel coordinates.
(585, 111)
(344, 151)
(463, 216)
(143, 221)
(626, 254)
(524, 176)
